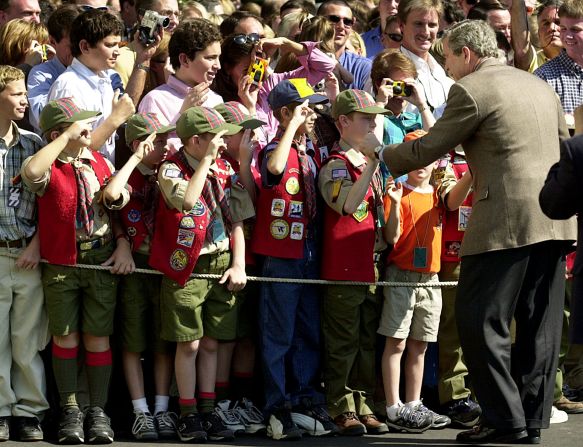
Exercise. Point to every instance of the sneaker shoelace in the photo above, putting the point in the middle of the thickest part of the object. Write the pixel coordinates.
(412, 417)
(252, 414)
(166, 419)
(143, 421)
(228, 416)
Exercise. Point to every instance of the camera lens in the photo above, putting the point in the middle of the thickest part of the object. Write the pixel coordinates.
(397, 90)
(165, 22)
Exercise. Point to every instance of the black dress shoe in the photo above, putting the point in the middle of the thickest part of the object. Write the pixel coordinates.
(533, 436)
(481, 434)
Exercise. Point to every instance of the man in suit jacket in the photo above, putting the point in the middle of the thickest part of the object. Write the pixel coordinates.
(561, 198)
(509, 125)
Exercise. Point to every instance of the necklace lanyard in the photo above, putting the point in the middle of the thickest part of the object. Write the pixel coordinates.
(420, 251)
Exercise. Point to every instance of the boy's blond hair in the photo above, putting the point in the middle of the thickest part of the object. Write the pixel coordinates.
(9, 74)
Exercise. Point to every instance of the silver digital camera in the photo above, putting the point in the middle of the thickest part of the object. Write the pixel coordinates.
(150, 25)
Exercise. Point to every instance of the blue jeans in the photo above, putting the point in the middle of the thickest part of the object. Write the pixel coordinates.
(289, 325)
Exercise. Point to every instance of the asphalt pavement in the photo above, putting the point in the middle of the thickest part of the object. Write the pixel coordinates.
(568, 434)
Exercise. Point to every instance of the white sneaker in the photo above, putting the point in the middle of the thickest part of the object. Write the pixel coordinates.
(558, 416)
(229, 417)
(250, 416)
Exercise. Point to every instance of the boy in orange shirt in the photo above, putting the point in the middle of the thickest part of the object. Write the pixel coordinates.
(410, 316)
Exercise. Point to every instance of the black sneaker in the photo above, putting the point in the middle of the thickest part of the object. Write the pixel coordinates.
(410, 419)
(282, 426)
(463, 412)
(215, 429)
(98, 427)
(71, 426)
(4, 428)
(314, 420)
(190, 428)
(28, 429)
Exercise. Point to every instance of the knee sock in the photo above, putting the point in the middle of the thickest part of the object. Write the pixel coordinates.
(206, 402)
(65, 370)
(187, 406)
(243, 386)
(222, 390)
(98, 376)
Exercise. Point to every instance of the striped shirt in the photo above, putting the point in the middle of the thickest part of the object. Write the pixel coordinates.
(565, 76)
(18, 210)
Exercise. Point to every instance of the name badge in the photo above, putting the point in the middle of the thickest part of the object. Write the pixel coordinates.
(420, 257)
(464, 213)
(14, 196)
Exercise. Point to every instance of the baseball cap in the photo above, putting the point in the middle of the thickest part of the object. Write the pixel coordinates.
(199, 120)
(143, 124)
(293, 90)
(350, 101)
(63, 110)
(236, 113)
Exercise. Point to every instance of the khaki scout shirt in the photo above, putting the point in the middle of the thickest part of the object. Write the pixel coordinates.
(173, 187)
(101, 222)
(335, 190)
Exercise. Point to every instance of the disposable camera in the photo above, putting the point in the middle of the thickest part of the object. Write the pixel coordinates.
(150, 25)
(256, 70)
(401, 89)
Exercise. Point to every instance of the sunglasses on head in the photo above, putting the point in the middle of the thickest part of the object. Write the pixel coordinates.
(394, 37)
(246, 39)
(90, 8)
(345, 20)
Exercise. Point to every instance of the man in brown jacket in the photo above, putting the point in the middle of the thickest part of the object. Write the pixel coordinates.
(510, 126)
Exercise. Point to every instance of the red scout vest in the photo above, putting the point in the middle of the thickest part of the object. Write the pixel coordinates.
(132, 214)
(347, 234)
(282, 221)
(57, 210)
(452, 234)
(179, 237)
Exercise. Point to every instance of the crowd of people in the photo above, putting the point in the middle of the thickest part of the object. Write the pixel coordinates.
(155, 143)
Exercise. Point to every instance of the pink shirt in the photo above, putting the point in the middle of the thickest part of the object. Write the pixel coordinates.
(166, 101)
(315, 66)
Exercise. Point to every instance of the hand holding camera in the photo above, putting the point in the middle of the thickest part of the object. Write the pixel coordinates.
(151, 26)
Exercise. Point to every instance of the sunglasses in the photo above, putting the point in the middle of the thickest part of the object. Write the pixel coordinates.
(247, 39)
(394, 36)
(345, 20)
(90, 8)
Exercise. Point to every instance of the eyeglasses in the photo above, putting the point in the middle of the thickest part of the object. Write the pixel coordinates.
(394, 36)
(91, 8)
(345, 20)
(247, 39)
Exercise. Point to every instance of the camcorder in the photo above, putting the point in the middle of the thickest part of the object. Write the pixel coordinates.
(150, 26)
(401, 89)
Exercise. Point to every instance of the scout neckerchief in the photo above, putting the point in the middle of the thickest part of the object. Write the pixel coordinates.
(84, 216)
(305, 150)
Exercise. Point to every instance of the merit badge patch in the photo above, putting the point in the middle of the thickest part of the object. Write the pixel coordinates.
(185, 238)
(198, 209)
(172, 173)
(292, 186)
(279, 229)
(178, 260)
(14, 196)
(361, 212)
(187, 222)
(297, 231)
(277, 207)
(464, 214)
(134, 215)
(294, 170)
(296, 209)
(339, 173)
(132, 231)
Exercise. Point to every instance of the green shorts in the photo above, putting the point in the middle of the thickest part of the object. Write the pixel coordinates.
(140, 310)
(201, 307)
(81, 300)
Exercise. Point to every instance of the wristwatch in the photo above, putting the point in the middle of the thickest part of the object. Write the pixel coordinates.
(143, 67)
(378, 152)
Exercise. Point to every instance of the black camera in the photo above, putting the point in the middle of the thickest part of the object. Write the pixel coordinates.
(401, 89)
(150, 25)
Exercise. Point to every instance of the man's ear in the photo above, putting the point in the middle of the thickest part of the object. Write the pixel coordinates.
(54, 134)
(135, 144)
(467, 54)
(343, 120)
(183, 59)
(84, 46)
